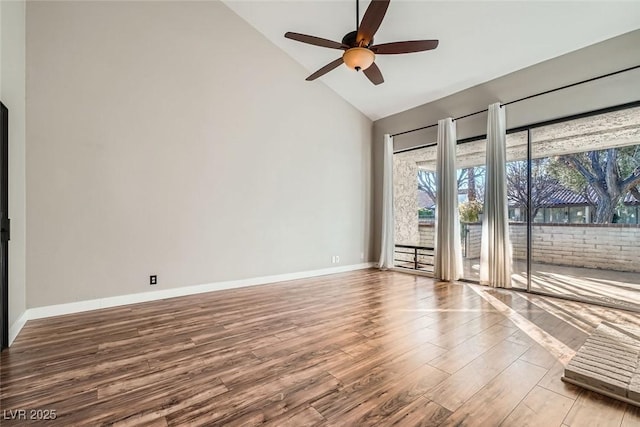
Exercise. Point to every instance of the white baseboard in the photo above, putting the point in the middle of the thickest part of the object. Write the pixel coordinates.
(17, 326)
(94, 304)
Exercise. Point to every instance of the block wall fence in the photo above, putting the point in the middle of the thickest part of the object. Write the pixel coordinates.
(603, 246)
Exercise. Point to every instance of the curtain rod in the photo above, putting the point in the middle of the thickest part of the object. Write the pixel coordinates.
(525, 98)
(632, 104)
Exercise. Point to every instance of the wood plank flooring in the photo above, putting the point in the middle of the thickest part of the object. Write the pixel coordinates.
(352, 349)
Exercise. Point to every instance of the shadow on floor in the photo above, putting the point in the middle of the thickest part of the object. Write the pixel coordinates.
(608, 286)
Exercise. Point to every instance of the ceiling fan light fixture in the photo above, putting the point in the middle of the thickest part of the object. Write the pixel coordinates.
(358, 58)
(360, 51)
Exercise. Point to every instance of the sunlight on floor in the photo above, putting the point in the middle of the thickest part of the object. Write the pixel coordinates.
(609, 286)
(554, 346)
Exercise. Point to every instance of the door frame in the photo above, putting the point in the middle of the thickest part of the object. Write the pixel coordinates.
(4, 226)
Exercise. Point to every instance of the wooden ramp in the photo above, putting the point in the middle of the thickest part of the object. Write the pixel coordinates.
(608, 363)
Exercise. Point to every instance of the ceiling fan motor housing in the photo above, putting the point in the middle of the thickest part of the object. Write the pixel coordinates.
(351, 39)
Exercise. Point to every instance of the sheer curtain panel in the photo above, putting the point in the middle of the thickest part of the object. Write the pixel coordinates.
(448, 260)
(388, 244)
(495, 253)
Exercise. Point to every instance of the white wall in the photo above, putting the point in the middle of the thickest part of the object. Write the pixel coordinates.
(12, 92)
(171, 138)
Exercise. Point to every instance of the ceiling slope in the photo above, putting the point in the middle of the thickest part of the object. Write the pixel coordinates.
(479, 41)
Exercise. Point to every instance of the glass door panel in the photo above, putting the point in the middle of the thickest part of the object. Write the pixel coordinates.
(414, 185)
(471, 161)
(517, 172)
(585, 193)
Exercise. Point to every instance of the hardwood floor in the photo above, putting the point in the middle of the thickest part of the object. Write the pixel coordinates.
(361, 348)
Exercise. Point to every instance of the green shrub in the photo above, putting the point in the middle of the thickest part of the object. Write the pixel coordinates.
(426, 213)
(470, 211)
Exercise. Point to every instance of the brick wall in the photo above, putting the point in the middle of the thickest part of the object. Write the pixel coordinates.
(472, 241)
(427, 233)
(603, 246)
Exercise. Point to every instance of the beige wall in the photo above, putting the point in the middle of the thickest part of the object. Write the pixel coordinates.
(171, 138)
(12, 92)
(602, 58)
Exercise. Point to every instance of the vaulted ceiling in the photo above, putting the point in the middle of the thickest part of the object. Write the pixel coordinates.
(479, 41)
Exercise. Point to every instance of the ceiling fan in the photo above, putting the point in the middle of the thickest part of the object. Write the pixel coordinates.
(360, 52)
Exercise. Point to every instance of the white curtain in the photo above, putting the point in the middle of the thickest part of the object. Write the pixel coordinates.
(388, 244)
(448, 262)
(495, 253)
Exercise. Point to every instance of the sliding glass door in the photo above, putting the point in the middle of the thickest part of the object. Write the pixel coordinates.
(585, 235)
(573, 188)
(471, 160)
(517, 176)
(414, 195)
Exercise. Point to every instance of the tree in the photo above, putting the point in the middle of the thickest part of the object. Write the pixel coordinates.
(471, 184)
(605, 177)
(470, 211)
(543, 184)
(474, 177)
(427, 183)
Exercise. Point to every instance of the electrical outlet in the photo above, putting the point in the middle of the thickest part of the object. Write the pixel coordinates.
(337, 259)
(153, 280)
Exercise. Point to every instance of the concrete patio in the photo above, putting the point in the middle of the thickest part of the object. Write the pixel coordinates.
(608, 286)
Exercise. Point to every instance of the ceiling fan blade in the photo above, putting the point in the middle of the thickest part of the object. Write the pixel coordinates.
(316, 41)
(373, 73)
(324, 70)
(371, 21)
(404, 47)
